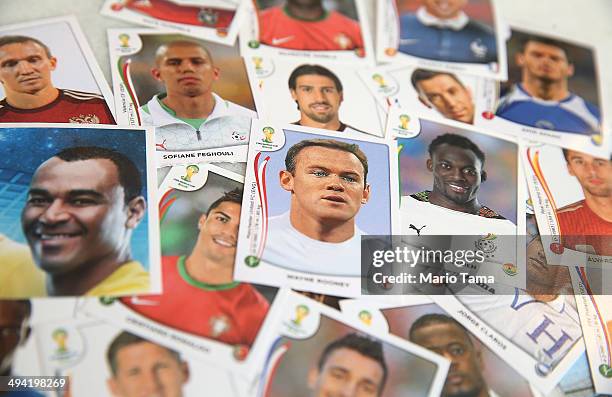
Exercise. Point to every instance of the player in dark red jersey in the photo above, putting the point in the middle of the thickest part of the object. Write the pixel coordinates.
(307, 25)
(588, 222)
(25, 73)
(199, 294)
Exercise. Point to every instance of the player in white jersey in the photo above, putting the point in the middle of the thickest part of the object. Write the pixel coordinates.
(185, 113)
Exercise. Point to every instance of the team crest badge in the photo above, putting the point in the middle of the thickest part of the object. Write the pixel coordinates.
(478, 48)
(208, 16)
(219, 325)
(85, 119)
(365, 317)
(343, 41)
(510, 269)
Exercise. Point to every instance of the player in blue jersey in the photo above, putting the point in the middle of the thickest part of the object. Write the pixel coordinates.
(442, 31)
(542, 99)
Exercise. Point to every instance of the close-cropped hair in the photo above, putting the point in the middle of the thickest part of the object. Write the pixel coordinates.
(422, 74)
(125, 339)
(161, 50)
(545, 40)
(327, 143)
(318, 70)
(6, 40)
(433, 319)
(361, 344)
(458, 141)
(234, 196)
(129, 176)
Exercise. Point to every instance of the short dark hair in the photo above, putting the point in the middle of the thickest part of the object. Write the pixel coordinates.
(181, 42)
(545, 40)
(458, 141)
(129, 176)
(319, 70)
(436, 318)
(125, 339)
(361, 344)
(234, 196)
(422, 74)
(6, 40)
(328, 143)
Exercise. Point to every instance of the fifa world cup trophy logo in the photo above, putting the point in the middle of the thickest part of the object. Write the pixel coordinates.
(258, 61)
(60, 337)
(301, 311)
(124, 40)
(404, 120)
(365, 317)
(380, 80)
(190, 171)
(268, 134)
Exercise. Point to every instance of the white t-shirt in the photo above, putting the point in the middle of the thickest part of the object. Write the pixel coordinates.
(544, 330)
(288, 248)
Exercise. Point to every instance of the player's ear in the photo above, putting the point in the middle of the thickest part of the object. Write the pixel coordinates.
(313, 374)
(286, 180)
(341, 96)
(569, 168)
(293, 94)
(429, 165)
(53, 62)
(483, 176)
(112, 386)
(570, 70)
(366, 194)
(155, 73)
(136, 211)
(201, 221)
(519, 59)
(216, 73)
(185, 371)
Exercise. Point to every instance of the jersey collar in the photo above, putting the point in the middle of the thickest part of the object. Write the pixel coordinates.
(456, 23)
(162, 117)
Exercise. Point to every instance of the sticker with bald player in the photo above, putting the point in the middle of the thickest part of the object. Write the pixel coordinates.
(311, 30)
(214, 20)
(553, 94)
(447, 96)
(318, 351)
(195, 93)
(100, 359)
(450, 179)
(476, 370)
(572, 197)
(539, 335)
(83, 223)
(48, 74)
(327, 95)
(312, 196)
(199, 214)
(464, 36)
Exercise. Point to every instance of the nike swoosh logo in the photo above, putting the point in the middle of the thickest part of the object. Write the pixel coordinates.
(144, 302)
(282, 40)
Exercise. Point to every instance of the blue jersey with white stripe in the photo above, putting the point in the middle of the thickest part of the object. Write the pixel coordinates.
(474, 43)
(572, 114)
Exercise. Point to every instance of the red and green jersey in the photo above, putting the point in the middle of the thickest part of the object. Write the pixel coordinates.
(70, 106)
(579, 225)
(229, 313)
(333, 32)
(166, 10)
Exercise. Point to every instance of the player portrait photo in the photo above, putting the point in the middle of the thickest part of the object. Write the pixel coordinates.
(451, 176)
(434, 94)
(103, 360)
(336, 30)
(195, 93)
(553, 93)
(199, 210)
(322, 95)
(213, 20)
(83, 213)
(48, 73)
(323, 353)
(475, 369)
(452, 35)
(572, 194)
(320, 193)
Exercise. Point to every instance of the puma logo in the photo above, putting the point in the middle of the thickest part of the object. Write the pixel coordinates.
(417, 229)
(282, 40)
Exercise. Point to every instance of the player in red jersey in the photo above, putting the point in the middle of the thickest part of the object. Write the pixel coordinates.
(189, 15)
(306, 25)
(25, 73)
(199, 294)
(588, 222)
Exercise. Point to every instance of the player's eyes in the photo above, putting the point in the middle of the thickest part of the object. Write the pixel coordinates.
(81, 202)
(469, 171)
(368, 388)
(328, 90)
(319, 173)
(9, 64)
(38, 201)
(173, 62)
(222, 219)
(457, 351)
(445, 166)
(350, 179)
(34, 59)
